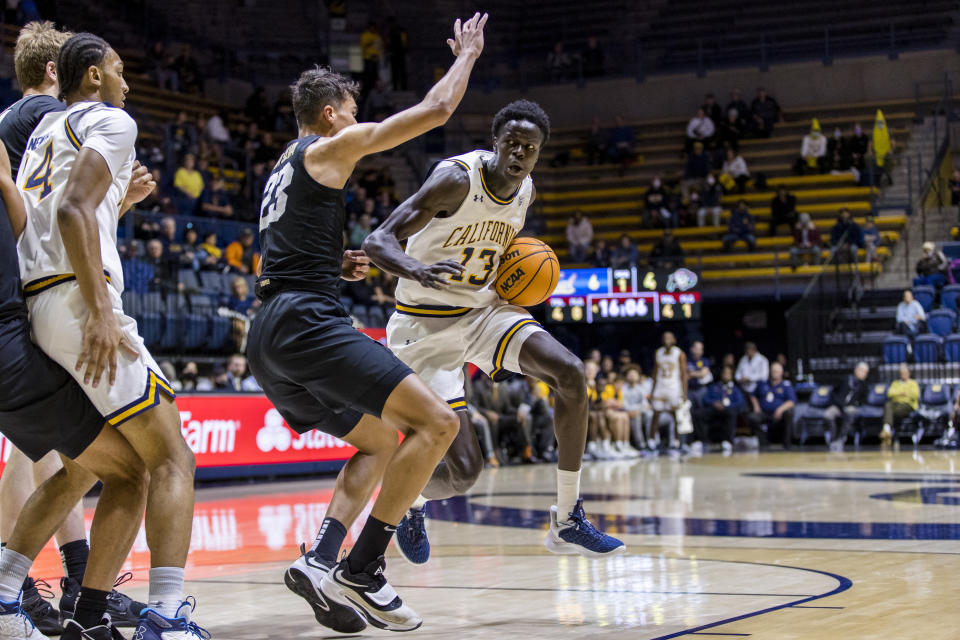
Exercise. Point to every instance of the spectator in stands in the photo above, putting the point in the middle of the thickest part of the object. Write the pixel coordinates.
(931, 267)
(624, 361)
(161, 67)
(237, 379)
(241, 300)
(846, 237)
(257, 108)
(592, 58)
(216, 129)
(696, 170)
(813, 152)
(618, 419)
(188, 71)
(501, 405)
(635, 393)
(215, 201)
(773, 403)
(711, 202)
(656, 210)
(838, 152)
(168, 237)
(620, 147)
(371, 48)
(189, 377)
(806, 241)
(241, 256)
(626, 254)
(667, 252)
(738, 106)
(397, 52)
(579, 236)
(182, 135)
(783, 210)
(911, 318)
(159, 200)
(284, 121)
(377, 105)
(137, 274)
(722, 403)
(742, 227)
(871, 238)
(383, 291)
(903, 398)
(712, 109)
(362, 229)
(735, 173)
(766, 112)
(559, 63)
(188, 184)
(163, 268)
(607, 369)
(209, 255)
(701, 129)
(600, 257)
(730, 131)
(596, 143)
(955, 190)
(752, 368)
(847, 399)
(698, 373)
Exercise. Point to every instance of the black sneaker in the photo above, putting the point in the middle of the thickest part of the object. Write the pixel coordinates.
(303, 577)
(35, 605)
(123, 610)
(369, 593)
(103, 631)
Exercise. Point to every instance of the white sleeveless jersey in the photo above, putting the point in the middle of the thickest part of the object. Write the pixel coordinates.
(668, 367)
(48, 159)
(475, 235)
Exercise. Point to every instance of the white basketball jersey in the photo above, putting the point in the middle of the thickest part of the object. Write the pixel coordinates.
(475, 235)
(51, 151)
(668, 366)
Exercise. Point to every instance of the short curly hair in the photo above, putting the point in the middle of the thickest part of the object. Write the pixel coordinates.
(317, 88)
(522, 110)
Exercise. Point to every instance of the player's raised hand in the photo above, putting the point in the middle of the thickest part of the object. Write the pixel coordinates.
(468, 37)
(355, 265)
(437, 275)
(102, 338)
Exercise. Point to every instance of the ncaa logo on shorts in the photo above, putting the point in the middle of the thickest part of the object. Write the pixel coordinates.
(273, 435)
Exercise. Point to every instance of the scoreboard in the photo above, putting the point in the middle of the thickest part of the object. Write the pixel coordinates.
(618, 295)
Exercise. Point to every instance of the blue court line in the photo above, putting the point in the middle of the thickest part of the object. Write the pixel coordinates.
(720, 634)
(798, 606)
(938, 478)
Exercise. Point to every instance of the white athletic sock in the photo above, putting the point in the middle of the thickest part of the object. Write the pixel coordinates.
(14, 568)
(166, 589)
(419, 502)
(568, 491)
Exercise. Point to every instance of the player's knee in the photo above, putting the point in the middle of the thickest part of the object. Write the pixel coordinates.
(569, 377)
(464, 473)
(440, 422)
(132, 475)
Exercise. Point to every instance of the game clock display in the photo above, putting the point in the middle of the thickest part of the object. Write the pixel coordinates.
(625, 295)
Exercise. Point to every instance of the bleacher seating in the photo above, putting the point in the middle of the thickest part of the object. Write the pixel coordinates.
(927, 348)
(925, 296)
(942, 322)
(895, 349)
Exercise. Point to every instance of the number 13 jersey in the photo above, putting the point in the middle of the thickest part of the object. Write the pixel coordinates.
(47, 161)
(475, 235)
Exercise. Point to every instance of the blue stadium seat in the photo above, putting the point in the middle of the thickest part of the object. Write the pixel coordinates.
(927, 347)
(195, 330)
(942, 322)
(925, 296)
(132, 303)
(876, 399)
(895, 349)
(952, 348)
(202, 304)
(812, 412)
(346, 302)
(376, 316)
(949, 297)
(360, 313)
(188, 278)
(936, 403)
(211, 283)
(150, 325)
(173, 324)
(219, 332)
(226, 282)
(176, 303)
(153, 302)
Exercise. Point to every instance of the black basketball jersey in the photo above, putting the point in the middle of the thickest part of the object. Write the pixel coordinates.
(19, 120)
(11, 296)
(301, 228)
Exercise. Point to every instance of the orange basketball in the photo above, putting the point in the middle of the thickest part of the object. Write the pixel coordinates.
(529, 272)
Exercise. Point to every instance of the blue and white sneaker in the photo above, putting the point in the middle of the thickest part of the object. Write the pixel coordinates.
(412, 537)
(369, 593)
(15, 624)
(304, 576)
(154, 625)
(577, 536)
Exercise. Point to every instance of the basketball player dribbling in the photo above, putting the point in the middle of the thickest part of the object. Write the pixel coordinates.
(318, 370)
(448, 313)
(669, 386)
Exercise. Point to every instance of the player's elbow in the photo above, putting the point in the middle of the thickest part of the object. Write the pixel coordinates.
(69, 213)
(373, 243)
(439, 110)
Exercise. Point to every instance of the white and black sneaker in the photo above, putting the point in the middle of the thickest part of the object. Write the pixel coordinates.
(369, 593)
(304, 577)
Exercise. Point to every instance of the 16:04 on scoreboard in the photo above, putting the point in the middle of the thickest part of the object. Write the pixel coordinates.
(625, 295)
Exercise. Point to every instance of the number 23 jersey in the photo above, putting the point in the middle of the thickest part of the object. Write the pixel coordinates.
(475, 235)
(47, 161)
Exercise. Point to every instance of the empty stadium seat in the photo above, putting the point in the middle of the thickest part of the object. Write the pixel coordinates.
(132, 303)
(812, 412)
(347, 302)
(376, 316)
(211, 282)
(360, 313)
(195, 330)
(219, 332)
(188, 278)
(150, 325)
(949, 296)
(942, 322)
(925, 296)
(936, 403)
(153, 302)
(926, 348)
(876, 399)
(895, 349)
(951, 348)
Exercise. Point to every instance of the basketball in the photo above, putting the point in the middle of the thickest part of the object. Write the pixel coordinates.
(528, 273)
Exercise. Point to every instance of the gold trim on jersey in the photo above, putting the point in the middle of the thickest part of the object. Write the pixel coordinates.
(149, 399)
(501, 351)
(39, 285)
(74, 140)
(434, 311)
(483, 183)
(458, 404)
(460, 162)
